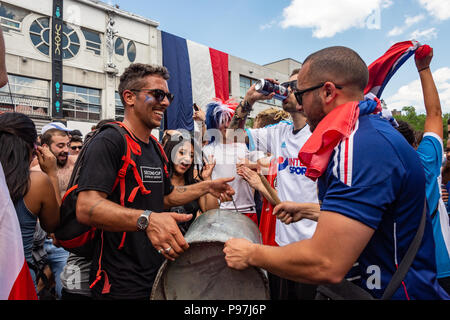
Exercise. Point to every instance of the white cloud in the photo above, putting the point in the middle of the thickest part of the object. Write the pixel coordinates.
(409, 21)
(328, 17)
(411, 94)
(427, 34)
(437, 8)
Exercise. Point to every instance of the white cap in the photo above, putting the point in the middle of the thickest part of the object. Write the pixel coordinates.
(54, 125)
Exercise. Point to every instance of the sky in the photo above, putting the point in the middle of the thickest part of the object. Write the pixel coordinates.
(267, 31)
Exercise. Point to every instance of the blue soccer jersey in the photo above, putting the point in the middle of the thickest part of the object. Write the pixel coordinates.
(430, 153)
(375, 177)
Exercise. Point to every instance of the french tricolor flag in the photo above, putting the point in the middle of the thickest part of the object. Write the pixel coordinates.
(15, 279)
(198, 74)
(382, 69)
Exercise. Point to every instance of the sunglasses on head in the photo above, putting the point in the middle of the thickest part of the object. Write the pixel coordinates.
(76, 147)
(299, 93)
(158, 94)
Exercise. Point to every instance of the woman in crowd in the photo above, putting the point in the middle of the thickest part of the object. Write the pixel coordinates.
(180, 152)
(35, 194)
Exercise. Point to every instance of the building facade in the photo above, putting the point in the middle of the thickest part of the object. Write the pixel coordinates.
(96, 42)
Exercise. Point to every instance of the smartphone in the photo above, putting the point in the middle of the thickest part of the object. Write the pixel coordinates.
(195, 107)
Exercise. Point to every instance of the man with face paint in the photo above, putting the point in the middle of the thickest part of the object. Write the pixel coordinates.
(136, 237)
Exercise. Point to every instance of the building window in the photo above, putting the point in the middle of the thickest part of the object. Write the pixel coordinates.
(70, 42)
(244, 84)
(131, 51)
(40, 36)
(28, 95)
(93, 41)
(11, 17)
(81, 103)
(120, 111)
(119, 47)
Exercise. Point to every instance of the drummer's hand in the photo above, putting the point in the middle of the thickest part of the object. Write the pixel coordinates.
(164, 233)
(238, 253)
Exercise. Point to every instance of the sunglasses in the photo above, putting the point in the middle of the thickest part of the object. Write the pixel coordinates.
(76, 147)
(299, 93)
(290, 84)
(158, 94)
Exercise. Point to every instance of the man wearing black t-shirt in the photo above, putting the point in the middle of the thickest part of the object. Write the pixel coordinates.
(135, 239)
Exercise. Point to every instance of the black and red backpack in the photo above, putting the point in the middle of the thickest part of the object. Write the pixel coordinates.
(76, 237)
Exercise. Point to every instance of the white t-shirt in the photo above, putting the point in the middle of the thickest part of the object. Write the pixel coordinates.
(291, 183)
(227, 156)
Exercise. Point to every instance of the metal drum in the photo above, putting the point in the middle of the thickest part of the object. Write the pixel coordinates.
(201, 272)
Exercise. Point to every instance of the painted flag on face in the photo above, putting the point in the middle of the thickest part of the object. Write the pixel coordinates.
(198, 74)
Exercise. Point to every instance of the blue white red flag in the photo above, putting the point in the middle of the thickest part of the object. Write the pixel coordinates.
(15, 279)
(198, 74)
(382, 69)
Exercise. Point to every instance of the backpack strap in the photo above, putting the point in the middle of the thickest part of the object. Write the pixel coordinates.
(408, 259)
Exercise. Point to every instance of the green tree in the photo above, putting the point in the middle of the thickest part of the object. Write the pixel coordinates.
(417, 121)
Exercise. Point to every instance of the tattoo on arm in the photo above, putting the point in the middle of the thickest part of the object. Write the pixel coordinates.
(240, 116)
(181, 189)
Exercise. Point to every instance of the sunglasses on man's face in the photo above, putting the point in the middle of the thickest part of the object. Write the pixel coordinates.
(290, 84)
(76, 147)
(299, 93)
(158, 94)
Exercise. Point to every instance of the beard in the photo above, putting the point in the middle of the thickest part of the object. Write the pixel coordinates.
(61, 163)
(316, 115)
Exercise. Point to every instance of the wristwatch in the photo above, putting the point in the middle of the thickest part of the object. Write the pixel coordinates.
(142, 221)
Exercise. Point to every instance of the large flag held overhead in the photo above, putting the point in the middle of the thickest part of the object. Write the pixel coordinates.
(382, 69)
(198, 74)
(15, 279)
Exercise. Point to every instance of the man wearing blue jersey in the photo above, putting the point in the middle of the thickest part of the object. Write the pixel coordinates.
(371, 188)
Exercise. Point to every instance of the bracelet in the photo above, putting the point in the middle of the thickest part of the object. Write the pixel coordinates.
(424, 69)
(246, 107)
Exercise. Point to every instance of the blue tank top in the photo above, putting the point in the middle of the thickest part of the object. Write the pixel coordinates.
(27, 221)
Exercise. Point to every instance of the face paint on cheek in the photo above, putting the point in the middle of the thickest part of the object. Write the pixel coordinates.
(149, 99)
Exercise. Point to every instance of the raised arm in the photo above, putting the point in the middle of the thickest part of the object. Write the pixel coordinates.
(245, 107)
(3, 72)
(433, 120)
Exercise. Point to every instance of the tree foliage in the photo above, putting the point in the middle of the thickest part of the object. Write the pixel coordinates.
(417, 121)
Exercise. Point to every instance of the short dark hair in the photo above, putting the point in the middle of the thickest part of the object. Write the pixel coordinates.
(76, 139)
(294, 72)
(132, 77)
(47, 137)
(340, 64)
(76, 132)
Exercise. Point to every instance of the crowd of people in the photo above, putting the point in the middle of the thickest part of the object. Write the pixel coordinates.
(339, 211)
